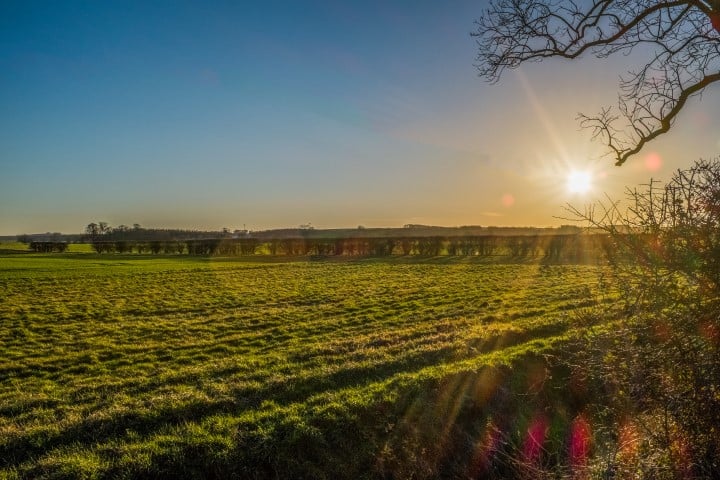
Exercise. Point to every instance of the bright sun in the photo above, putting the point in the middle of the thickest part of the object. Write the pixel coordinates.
(579, 182)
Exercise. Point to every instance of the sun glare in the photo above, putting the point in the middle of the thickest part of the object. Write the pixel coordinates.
(579, 182)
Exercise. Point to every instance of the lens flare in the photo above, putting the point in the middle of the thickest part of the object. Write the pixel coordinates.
(653, 162)
(580, 438)
(508, 200)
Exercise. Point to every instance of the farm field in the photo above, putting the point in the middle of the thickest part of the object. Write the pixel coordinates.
(152, 367)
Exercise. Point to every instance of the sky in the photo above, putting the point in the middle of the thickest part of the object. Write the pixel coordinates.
(270, 114)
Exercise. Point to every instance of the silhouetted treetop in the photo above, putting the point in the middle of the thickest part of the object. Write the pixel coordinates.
(682, 40)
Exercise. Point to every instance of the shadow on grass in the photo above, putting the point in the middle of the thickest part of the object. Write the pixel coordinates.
(16, 451)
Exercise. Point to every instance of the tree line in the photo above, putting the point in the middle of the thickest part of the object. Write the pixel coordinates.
(48, 246)
(97, 231)
(556, 247)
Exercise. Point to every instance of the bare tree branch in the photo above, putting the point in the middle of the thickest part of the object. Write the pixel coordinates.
(682, 39)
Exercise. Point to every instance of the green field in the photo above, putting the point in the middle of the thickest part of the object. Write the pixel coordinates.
(140, 367)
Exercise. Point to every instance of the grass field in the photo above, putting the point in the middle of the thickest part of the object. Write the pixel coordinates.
(140, 367)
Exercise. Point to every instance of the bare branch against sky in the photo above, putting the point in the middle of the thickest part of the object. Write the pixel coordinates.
(681, 39)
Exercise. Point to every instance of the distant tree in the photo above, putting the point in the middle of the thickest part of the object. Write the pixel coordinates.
(273, 245)
(92, 229)
(98, 236)
(287, 245)
(47, 247)
(121, 232)
(682, 40)
(95, 230)
(156, 246)
(226, 247)
(514, 245)
(429, 246)
(248, 246)
(381, 247)
(468, 247)
(454, 246)
(485, 245)
(325, 247)
(122, 246)
(169, 247)
(407, 245)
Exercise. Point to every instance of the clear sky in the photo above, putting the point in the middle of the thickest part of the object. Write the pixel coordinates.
(280, 113)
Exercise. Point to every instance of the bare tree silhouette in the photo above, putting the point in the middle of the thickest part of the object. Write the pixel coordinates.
(682, 37)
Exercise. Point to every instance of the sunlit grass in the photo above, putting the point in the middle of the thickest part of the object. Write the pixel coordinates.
(182, 365)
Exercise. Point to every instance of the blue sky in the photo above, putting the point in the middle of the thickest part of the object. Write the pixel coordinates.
(279, 113)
